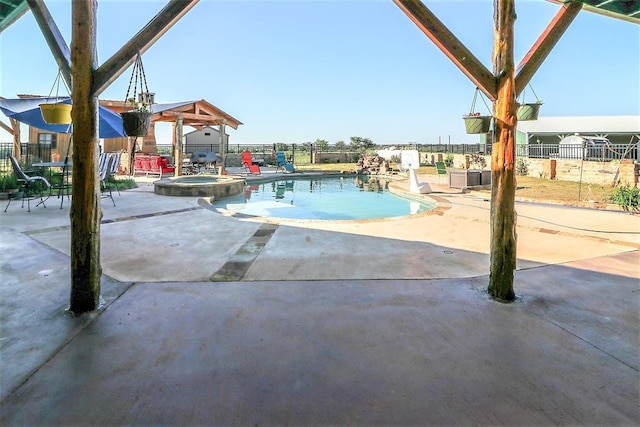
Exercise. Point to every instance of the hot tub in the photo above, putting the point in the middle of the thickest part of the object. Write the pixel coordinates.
(217, 187)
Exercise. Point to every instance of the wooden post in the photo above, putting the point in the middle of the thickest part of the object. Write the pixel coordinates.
(503, 181)
(85, 210)
(17, 147)
(177, 146)
(222, 146)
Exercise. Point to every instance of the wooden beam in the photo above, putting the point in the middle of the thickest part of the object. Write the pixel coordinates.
(545, 43)
(6, 127)
(85, 212)
(203, 118)
(503, 157)
(453, 48)
(52, 35)
(111, 69)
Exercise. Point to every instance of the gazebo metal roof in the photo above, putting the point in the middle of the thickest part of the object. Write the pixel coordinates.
(10, 11)
(628, 10)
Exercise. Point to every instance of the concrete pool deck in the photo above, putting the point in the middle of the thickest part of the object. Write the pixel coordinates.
(333, 323)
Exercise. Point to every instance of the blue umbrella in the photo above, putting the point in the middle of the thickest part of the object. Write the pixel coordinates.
(27, 110)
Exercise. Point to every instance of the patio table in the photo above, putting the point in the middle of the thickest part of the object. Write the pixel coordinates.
(64, 187)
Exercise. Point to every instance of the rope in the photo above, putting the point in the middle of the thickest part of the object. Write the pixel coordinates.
(473, 103)
(524, 92)
(137, 72)
(56, 85)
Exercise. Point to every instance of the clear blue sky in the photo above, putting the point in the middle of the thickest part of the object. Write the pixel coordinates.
(297, 71)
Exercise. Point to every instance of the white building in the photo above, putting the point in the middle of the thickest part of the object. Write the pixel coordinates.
(205, 139)
(550, 130)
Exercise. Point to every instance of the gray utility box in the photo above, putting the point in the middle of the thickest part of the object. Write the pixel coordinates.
(485, 178)
(468, 178)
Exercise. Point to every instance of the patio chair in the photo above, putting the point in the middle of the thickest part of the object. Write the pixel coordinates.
(282, 163)
(115, 164)
(247, 164)
(29, 186)
(204, 161)
(60, 180)
(104, 171)
(441, 169)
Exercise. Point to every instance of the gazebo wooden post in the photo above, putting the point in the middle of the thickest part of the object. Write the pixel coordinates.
(503, 180)
(86, 212)
(222, 146)
(177, 146)
(17, 146)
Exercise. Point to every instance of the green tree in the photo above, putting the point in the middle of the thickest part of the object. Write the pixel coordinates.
(281, 146)
(306, 147)
(361, 144)
(321, 144)
(340, 146)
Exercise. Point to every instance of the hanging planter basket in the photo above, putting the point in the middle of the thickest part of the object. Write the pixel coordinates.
(56, 114)
(477, 124)
(136, 123)
(528, 111)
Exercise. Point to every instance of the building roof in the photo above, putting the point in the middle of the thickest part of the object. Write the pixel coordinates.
(627, 10)
(582, 124)
(204, 128)
(194, 113)
(10, 11)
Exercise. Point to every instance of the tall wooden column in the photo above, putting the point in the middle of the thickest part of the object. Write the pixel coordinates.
(15, 131)
(503, 178)
(86, 211)
(177, 145)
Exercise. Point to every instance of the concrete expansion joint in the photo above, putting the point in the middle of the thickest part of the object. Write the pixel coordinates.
(587, 342)
(236, 266)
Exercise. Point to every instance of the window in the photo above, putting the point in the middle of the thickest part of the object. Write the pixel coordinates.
(50, 139)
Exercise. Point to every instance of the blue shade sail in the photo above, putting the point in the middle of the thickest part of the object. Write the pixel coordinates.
(27, 110)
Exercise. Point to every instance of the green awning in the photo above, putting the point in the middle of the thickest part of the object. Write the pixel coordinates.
(10, 11)
(628, 10)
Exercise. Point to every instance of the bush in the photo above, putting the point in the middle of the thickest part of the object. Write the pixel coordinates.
(448, 159)
(522, 167)
(627, 197)
(478, 160)
(8, 182)
(114, 183)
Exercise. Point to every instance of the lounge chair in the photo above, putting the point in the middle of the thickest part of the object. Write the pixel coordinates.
(104, 171)
(115, 165)
(441, 168)
(247, 164)
(282, 163)
(29, 186)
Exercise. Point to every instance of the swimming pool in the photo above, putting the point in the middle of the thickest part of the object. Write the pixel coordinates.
(326, 198)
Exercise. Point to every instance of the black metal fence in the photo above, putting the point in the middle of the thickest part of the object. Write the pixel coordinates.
(603, 152)
(31, 153)
(301, 153)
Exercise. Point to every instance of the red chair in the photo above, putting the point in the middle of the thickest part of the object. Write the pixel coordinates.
(163, 166)
(248, 165)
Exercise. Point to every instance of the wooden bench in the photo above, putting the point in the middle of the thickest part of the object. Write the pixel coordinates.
(150, 164)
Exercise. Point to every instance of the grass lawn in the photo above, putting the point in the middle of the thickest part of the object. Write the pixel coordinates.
(528, 188)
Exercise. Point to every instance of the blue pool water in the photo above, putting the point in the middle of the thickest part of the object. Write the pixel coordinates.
(330, 198)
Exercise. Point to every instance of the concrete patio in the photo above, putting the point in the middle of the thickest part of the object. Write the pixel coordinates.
(208, 319)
